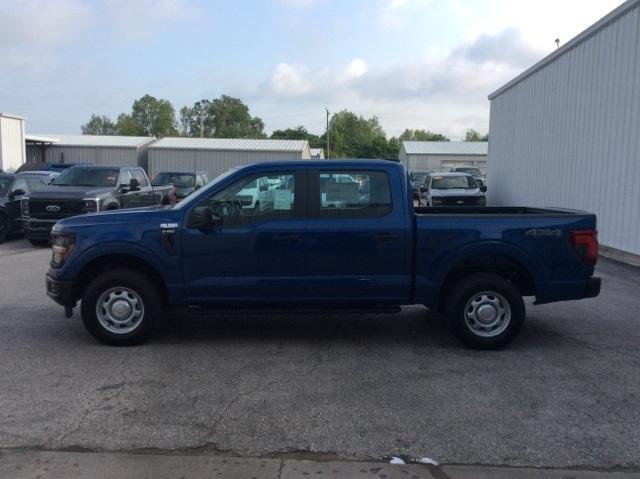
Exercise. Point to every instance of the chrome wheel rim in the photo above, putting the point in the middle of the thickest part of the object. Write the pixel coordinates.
(120, 310)
(487, 314)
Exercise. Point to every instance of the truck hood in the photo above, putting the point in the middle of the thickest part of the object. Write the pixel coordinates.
(457, 192)
(154, 214)
(69, 192)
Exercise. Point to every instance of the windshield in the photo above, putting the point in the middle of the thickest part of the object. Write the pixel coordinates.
(419, 177)
(471, 171)
(5, 181)
(451, 182)
(183, 180)
(87, 177)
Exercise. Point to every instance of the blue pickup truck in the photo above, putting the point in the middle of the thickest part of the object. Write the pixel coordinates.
(329, 235)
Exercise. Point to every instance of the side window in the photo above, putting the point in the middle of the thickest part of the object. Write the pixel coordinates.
(255, 198)
(354, 194)
(125, 177)
(139, 175)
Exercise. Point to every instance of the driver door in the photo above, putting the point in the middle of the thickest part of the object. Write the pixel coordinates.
(257, 254)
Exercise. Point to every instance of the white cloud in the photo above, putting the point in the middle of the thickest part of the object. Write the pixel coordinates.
(32, 30)
(289, 80)
(144, 18)
(393, 13)
(446, 90)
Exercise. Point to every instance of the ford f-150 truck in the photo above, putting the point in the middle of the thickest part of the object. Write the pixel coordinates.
(86, 189)
(320, 244)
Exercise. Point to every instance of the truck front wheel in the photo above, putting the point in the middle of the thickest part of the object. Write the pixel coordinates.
(485, 311)
(119, 307)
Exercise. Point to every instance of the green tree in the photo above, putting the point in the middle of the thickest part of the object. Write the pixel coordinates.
(354, 136)
(99, 125)
(473, 135)
(421, 135)
(299, 133)
(224, 117)
(155, 117)
(127, 126)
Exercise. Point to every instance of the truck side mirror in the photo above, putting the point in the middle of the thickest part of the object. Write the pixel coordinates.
(424, 189)
(483, 188)
(15, 193)
(134, 185)
(203, 217)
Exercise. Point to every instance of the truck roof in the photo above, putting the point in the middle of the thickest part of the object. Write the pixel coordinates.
(320, 163)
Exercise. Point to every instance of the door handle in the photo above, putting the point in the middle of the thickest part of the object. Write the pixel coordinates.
(285, 237)
(386, 236)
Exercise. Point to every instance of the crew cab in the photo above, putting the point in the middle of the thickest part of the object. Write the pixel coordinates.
(452, 189)
(87, 189)
(320, 244)
(13, 187)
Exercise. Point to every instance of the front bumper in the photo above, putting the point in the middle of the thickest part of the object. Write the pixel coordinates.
(61, 292)
(37, 229)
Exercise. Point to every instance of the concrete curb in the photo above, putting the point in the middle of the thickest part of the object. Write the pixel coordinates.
(23, 464)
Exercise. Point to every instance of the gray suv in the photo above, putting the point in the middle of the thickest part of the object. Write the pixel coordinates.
(452, 189)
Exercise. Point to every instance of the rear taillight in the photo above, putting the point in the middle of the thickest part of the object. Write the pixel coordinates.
(585, 244)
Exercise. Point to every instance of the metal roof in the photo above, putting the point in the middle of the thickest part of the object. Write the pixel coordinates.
(40, 139)
(230, 144)
(571, 44)
(445, 147)
(11, 115)
(97, 140)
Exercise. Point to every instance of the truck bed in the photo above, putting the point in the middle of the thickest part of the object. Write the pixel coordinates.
(494, 211)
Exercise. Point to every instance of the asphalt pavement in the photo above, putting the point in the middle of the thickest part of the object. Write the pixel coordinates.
(326, 387)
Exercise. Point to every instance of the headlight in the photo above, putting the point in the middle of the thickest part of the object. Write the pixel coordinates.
(92, 205)
(24, 207)
(63, 245)
(436, 201)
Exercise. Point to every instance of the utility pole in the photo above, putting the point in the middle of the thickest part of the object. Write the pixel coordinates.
(327, 133)
(201, 124)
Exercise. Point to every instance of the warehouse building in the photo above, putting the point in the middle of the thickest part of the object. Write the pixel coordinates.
(97, 150)
(12, 149)
(443, 155)
(565, 133)
(217, 155)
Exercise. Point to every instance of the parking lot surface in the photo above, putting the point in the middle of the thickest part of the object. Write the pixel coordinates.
(564, 394)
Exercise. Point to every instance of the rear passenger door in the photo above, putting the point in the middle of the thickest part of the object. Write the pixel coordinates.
(145, 195)
(358, 237)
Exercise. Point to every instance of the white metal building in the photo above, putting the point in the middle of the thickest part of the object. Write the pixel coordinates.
(566, 132)
(443, 155)
(317, 153)
(217, 155)
(98, 150)
(12, 150)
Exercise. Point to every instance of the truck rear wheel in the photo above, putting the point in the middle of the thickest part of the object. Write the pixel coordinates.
(119, 307)
(485, 311)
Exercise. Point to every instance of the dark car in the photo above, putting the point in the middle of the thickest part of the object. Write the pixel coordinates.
(12, 189)
(183, 182)
(418, 179)
(88, 189)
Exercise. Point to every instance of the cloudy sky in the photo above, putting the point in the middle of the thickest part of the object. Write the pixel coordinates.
(413, 63)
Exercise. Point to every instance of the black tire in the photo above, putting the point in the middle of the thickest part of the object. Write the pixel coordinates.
(117, 281)
(4, 227)
(488, 291)
(38, 243)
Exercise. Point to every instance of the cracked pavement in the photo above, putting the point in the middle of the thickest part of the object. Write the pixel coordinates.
(366, 387)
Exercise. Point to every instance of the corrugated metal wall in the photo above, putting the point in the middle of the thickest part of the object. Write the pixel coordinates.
(12, 150)
(569, 135)
(214, 162)
(108, 156)
(443, 162)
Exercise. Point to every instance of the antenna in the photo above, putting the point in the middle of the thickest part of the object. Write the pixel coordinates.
(557, 43)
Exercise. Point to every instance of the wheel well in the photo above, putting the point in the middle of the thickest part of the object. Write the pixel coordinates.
(502, 266)
(112, 207)
(107, 262)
